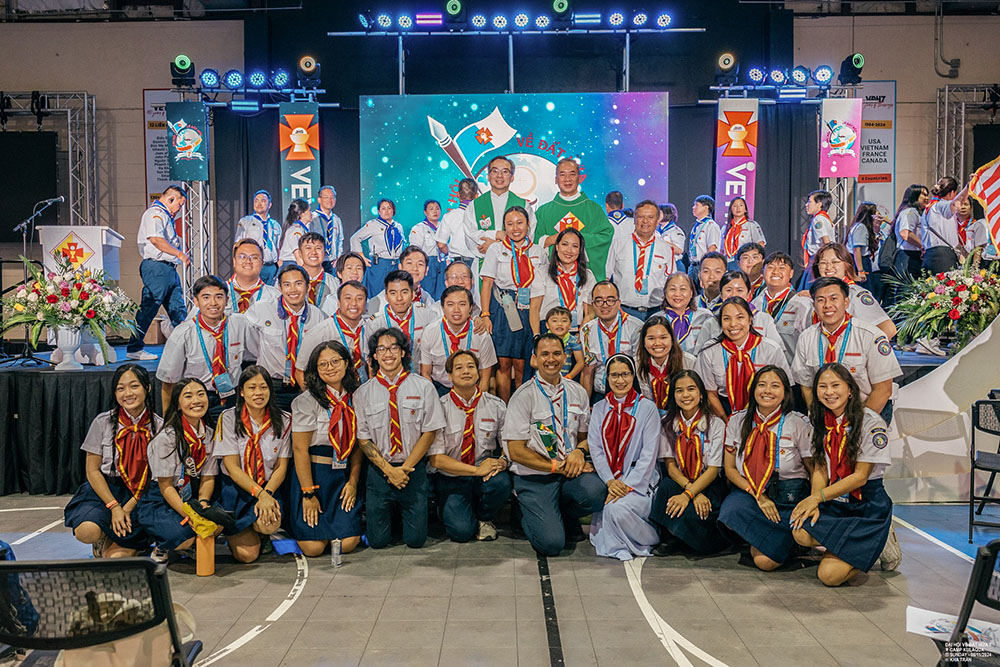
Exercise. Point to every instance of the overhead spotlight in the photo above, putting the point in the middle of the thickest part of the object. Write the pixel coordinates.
(256, 79)
(590, 18)
(479, 21)
(521, 20)
(756, 75)
(404, 21)
(499, 21)
(455, 14)
(542, 21)
(182, 71)
(850, 69)
(616, 19)
(366, 20)
(384, 21)
(778, 77)
(245, 107)
(823, 75)
(233, 79)
(640, 19)
(727, 67)
(562, 14)
(209, 78)
(309, 71)
(800, 75)
(279, 79)
(663, 20)
(429, 19)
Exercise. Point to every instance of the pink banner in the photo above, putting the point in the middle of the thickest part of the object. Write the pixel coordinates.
(735, 153)
(839, 146)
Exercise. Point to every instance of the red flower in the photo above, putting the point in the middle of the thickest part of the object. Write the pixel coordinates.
(90, 314)
(84, 296)
(961, 288)
(954, 314)
(940, 276)
(950, 283)
(956, 300)
(51, 298)
(77, 285)
(65, 291)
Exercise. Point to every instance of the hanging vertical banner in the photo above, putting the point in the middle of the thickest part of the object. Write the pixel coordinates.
(876, 179)
(736, 153)
(839, 146)
(187, 141)
(157, 138)
(298, 141)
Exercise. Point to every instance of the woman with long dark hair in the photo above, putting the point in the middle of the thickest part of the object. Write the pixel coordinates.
(863, 241)
(296, 225)
(848, 511)
(566, 282)
(252, 439)
(768, 458)
(737, 283)
(182, 463)
(658, 358)
(623, 436)
(101, 511)
(686, 503)
(323, 490)
(941, 241)
(739, 231)
(907, 228)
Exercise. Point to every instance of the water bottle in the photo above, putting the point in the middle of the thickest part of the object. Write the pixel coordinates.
(335, 557)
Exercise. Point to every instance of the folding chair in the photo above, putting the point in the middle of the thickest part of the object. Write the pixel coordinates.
(985, 418)
(984, 588)
(49, 606)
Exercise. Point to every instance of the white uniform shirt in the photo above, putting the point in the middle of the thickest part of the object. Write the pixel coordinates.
(419, 319)
(290, 241)
(378, 302)
(308, 416)
(788, 319)
(942, 220)
(271, 332)
(621, 267)
(157, 221)
(488, 419)
(859, 239)
(164, 461)
(713, 433)
(100, 440)
(750, 233)
(374, 231)
(265, 232)
(475, 235)
(548, 289)
(762, 322)
(419, 412)
(976, 235)
(499, 261)
(272, 447)
(712, 363)
(324, 289)
(435, 348)
(451, 232)
(183, 355)
(794, 444)
(265, 293)
(866, 353)
(707, 235)
(423, 236)
(909, 220)
(564, 408)
(331, 228)
(819, 227)
(675, 237)
(873, 448)
(329, 329)
(595, 345)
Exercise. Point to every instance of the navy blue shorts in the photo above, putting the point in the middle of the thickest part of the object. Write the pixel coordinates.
(86, 505)
(159, 519)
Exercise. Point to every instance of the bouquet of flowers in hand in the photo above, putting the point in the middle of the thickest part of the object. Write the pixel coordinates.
(68, 298)
(963, 301)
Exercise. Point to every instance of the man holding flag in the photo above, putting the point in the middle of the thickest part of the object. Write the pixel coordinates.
(985, 188)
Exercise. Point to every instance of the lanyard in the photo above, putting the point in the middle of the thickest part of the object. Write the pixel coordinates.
(726, 355)
(233, 297)
(777, 443)
(784, 304)
(843, 345)
(649, 261)
(412, 323)
(319, 290)
(562, 302)
(204, 350)
(343, 338)
(618, 338)
(447, 347)
(561, 430)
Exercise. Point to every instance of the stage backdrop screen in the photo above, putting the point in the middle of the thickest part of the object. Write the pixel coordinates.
(28, 179)
(418, 147)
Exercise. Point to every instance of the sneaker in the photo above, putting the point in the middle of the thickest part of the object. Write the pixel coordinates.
(930, 346)
(892, 555)
(487, 531)
(98, 546)
(159, 555)
(141, 355)
(186, 553)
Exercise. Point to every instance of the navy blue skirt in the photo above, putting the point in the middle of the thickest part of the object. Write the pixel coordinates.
(701, 535)
(231, 497)
(741, 513)
(507, 343)
(855, 531)
(160, 520)
(334, 523)
(374, 280)
(86, 505)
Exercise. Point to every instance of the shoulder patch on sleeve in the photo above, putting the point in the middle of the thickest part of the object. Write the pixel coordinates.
(883, 346)
(866, 298)
(879, 437)
(818, 225)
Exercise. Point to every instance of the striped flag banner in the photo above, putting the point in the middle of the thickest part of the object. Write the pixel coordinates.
(985, 188)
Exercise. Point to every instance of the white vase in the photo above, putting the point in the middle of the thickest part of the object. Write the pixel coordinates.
(68, 341)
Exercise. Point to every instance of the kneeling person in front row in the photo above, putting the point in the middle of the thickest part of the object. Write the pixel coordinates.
(398, 419)
(545, 434)
(472, 481)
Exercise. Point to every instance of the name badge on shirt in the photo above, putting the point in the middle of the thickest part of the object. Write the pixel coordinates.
(224, 385)
(523, 297)
(190, 467)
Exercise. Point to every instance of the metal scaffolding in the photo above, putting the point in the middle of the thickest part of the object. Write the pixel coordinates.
(959, 108)
(77, 138)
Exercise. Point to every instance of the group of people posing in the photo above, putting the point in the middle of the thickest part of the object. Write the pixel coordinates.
(567, 363)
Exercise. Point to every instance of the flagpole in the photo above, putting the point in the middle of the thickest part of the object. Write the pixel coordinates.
(401, 58)
(510, 62)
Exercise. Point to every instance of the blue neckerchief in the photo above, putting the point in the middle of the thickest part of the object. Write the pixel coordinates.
(393, 237)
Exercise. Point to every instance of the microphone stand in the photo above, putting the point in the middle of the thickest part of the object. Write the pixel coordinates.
(27, 356)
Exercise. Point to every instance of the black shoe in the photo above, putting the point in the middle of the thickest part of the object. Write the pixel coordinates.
(668, 547)
(574, 532)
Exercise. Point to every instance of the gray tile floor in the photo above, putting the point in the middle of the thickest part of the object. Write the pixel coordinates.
(481, 604)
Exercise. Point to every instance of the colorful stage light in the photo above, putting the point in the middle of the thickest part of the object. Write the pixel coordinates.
(384, 21)
(663, 20)
(182, 71)
(453, 7)
(778, 77)
(560, 6)
(233, 79)
(363, 20)
(246, 107)
(499, 21)
(429, 19)
(616, 19)
(823, 75)
(256, 79)
(521, 20)
(404, 21)
(800, 75)
(756, 75)
(279, 79)
(209, 78)
(542, 21)
(640, 19)
(586, 19)
(478, 21)
(850, 69)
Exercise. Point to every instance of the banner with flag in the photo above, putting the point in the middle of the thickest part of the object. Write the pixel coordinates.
(298, 149)
(736, 153)
(839, 148)
(985, 188)
(476, 139)
(187, 142)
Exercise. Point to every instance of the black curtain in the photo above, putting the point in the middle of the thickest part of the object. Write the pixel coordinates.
(692, 172)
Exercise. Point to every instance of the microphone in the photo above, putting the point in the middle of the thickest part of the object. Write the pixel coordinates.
(54, 200)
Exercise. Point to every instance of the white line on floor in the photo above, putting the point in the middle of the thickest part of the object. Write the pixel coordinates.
(29, 509)
(38, 532)
(934, 540)
(302, 574)
(672, 640)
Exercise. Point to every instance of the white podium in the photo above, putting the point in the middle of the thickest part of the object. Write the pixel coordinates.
(88, 247)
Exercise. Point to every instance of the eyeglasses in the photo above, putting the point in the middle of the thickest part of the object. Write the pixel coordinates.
(386, 349)
(326, 365)
(606, 301)
(500, 172)
(624, 375)
(247, 258)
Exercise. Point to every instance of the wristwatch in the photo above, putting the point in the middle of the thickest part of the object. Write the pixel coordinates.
(308, 494)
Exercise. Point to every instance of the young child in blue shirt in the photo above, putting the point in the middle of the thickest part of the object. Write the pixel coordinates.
(558, 321)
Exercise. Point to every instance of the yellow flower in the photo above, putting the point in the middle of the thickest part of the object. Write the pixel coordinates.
(974, 297)
(86, 274)
(18, 307)
(929, 295)
(930, 280)
(982, 272)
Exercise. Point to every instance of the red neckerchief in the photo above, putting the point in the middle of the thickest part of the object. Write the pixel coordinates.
(196, 447)
(314, 283)
(404, 323)
(343, 426)
(395, 431)
(455, 339)
(756, 285)
(659, 383)
(731, 243)
(219, 353)
(131, 441)
(253, 455)
(612, 333)
(834, 444)
(617, 430)
(963, 230)
(468, 449)
(831, 339)
(566, 282)
(739, 371)
(519, 256)
(771, 304)
(758, 457)
(245, 295)
(292, 335)
(355, 337)
(640, 265)
(688, 446)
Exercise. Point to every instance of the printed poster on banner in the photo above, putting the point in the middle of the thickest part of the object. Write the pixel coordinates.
(156, 139)
(187, 147)
(736, 153)
(298, 149)
(877, 176)
(839, 146)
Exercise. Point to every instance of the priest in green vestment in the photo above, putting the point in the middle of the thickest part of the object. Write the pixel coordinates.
(483, 220)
